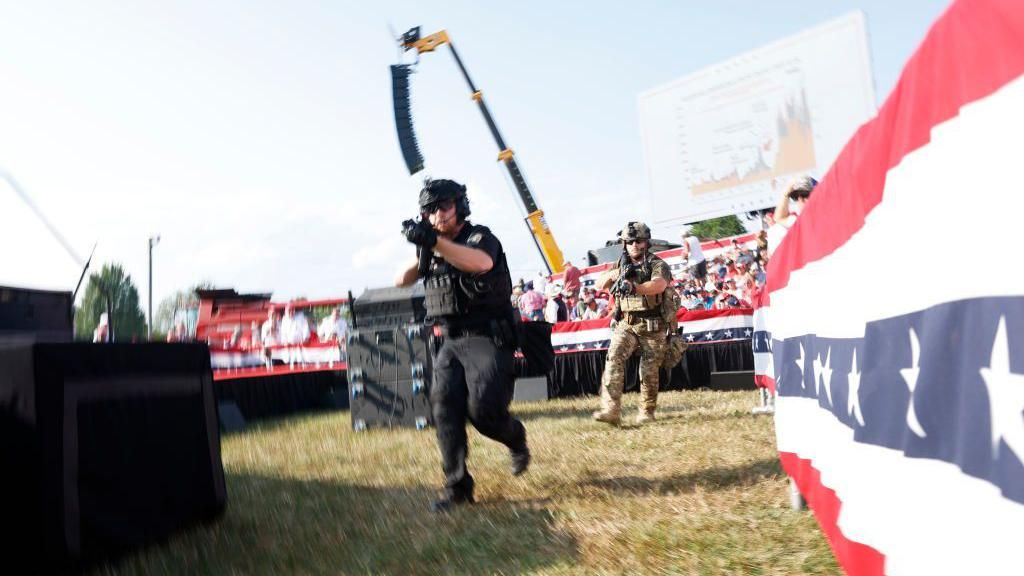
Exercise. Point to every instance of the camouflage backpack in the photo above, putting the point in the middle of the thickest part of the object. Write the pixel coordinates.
(670, 304)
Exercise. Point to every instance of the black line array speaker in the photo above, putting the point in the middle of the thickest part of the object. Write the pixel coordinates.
(403, 117)
(389, 374)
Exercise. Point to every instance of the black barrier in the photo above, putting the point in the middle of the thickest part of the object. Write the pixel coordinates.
(579, 373)
(535, 345)
(105, 447)
(284, 394)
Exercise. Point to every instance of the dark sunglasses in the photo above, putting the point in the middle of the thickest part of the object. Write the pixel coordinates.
(443, 205)
(631, 242)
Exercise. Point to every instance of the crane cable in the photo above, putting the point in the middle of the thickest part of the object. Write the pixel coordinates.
(42, 217)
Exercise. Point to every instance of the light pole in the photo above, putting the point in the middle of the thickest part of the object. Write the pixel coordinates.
(153, 241)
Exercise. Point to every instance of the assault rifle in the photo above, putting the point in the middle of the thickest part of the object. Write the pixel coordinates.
(622, 285)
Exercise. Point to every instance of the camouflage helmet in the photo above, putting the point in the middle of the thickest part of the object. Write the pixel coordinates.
(434, 191)
(635, 231)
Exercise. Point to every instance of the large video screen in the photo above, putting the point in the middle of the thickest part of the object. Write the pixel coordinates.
(724, 139)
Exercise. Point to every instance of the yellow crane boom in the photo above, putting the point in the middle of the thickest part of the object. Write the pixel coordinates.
(535, 222)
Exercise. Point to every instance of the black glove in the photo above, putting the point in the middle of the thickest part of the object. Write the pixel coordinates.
(419, 233)
(627, 288)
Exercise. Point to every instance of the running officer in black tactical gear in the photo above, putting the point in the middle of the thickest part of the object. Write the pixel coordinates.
(468, 299)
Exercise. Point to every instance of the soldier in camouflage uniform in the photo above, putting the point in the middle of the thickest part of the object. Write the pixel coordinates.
(638, 283)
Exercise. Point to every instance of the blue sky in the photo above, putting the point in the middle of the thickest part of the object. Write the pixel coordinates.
(257, 138)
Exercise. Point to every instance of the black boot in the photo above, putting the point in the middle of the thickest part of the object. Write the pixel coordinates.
(520, 460)
(450, 502)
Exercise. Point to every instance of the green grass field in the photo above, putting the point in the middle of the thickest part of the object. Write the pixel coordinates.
(698, 492)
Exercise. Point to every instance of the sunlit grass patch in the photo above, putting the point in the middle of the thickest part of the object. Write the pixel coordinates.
(700, 491)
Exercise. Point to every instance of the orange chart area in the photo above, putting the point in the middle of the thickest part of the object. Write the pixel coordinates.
(795, 154)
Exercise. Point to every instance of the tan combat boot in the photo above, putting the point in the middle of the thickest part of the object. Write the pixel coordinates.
(611, 410)
(608, 416)
(645, 416)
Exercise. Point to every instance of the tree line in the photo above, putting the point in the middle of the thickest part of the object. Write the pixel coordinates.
(112, 291)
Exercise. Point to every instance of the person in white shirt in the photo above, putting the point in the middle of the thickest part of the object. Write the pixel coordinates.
(695, 260)
(540, 283)
(555, 310)
(593, 308)
(269, 331)
(789, 207)
(294, 327)
(254, 335)
(269, 336)
(333, 327)
(294, 332)
(102, 331)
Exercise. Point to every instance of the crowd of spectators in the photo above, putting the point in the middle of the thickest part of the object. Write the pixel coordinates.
(283, 327)
(560, 304)
(565, 301)
(731, 279)
(291, 328)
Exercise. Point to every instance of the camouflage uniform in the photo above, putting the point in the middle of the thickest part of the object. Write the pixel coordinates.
(643, 327)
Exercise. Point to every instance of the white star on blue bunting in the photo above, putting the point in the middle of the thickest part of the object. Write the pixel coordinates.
(1005, 396)
(823, 375)
(910, 377)
(853, 401)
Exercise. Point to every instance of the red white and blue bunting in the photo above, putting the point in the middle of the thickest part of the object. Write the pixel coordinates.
(695, 326)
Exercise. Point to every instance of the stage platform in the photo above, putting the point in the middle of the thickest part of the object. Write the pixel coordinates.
(282, 390)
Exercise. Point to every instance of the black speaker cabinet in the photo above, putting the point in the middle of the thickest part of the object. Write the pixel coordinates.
(43, 315)
(103, 448)
(378, 308)
(389, 373)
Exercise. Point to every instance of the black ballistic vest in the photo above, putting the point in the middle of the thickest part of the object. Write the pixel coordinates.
(455, 297)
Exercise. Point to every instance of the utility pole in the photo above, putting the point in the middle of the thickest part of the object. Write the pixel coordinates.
(153, 241)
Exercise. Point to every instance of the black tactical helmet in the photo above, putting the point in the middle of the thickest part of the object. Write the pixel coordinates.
(635, 231)
(435, 191)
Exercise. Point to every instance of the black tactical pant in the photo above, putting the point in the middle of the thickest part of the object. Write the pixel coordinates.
(473, 379)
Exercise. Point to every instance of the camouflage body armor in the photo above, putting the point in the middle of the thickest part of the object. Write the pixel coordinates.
(642, 327)
(642, 306)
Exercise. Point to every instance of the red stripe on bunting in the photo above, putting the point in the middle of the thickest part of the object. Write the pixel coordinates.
(685, 315)
(581, 325)
(930, 91)
(262, 371)
(855, 558)
(762, 381)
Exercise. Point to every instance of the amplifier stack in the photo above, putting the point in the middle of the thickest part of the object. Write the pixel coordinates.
(389, 361)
